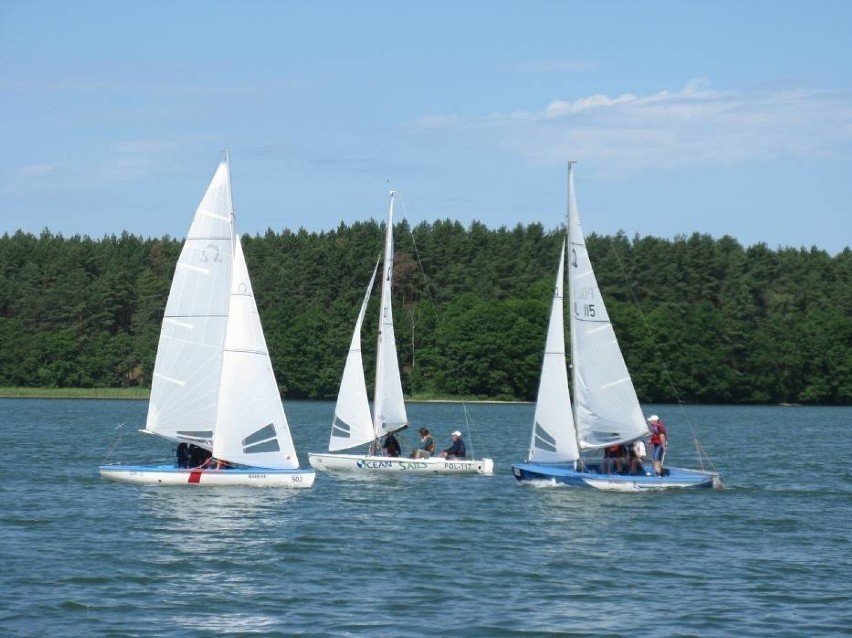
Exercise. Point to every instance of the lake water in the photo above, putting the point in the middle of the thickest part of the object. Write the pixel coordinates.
(427, 556)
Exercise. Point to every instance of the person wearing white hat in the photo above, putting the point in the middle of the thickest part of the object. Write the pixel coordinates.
(456, 450)
(659, 442)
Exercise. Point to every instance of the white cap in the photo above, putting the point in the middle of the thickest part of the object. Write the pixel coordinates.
(653, 418)
(456, 433)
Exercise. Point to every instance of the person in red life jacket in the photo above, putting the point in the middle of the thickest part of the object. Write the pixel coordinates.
(613, 460)
(659, 442)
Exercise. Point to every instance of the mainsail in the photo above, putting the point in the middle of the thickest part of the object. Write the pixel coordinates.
(606, 409)
(389, 404)
(188, 366)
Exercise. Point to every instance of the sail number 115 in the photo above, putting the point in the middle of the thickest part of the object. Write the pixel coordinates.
(585, 310)
(583, 306)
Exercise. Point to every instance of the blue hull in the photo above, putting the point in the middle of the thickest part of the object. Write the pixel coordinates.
(591, 477)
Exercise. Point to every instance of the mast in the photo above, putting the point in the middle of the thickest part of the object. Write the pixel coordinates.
(572, 263)
(389, 405)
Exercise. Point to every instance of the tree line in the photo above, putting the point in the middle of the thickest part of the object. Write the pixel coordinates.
(699, 319)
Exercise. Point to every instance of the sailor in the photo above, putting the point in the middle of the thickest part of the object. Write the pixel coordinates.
(457, 449)
(182, 453)
(427, 445)
(638, 452)
(659, 442)
(391, 446)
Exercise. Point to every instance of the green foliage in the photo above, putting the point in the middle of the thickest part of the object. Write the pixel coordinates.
(699, 320)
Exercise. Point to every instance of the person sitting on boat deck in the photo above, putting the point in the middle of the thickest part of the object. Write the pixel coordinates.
(391, 446)
(659, 442)
(638, 452)
(198, 456)
(427, 445)
(613, 459)
(456, 450)
(213, 463)
(182, 453)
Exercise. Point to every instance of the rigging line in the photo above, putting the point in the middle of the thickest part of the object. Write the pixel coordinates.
(116, 442)
(666, 373)
(441, 336)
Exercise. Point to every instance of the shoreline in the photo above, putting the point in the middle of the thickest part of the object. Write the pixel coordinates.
(143, 394)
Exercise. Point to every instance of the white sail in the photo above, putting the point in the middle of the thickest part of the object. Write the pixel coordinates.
(349, 428)
(188, 366)
(251, 427)
(389, 406)
(352, 423)
(606, 409)
(554, 439)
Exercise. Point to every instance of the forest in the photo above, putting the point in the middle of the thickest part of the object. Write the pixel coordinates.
(700, 320)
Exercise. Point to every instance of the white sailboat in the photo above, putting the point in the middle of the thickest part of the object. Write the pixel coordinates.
(353, 424)
(214, 392)
(606, 410)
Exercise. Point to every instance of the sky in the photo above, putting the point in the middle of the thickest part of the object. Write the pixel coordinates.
(717, 117)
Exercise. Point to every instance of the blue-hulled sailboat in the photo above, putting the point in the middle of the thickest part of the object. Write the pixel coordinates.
(606, 410)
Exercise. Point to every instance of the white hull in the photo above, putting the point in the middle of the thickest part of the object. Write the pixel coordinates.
(171, 475)
(368, 463)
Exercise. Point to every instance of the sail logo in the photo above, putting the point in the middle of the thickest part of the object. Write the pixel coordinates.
(374, 465)
(543, 440)
(211, 254)
(412, 466)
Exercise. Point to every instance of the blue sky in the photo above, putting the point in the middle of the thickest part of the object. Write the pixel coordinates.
(719, 117)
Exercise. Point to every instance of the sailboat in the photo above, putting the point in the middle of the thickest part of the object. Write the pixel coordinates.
(213, 392)
(353, 425)
(606, 410)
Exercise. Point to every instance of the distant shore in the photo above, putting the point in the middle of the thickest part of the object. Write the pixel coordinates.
(144, 394)
(75, 393)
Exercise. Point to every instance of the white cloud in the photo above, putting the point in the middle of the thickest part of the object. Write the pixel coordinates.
(573, 66)
(35, 171)
(135, 159)
(124, 161)
(28, 177)
(690, 127)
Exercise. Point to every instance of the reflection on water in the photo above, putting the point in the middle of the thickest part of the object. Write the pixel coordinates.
(197, 521)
